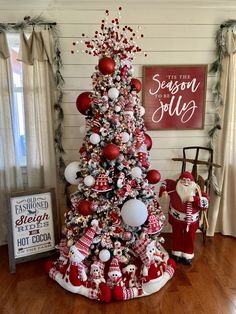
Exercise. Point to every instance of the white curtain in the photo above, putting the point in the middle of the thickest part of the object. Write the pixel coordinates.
(222, 213)
(39, 88)
(10, 170)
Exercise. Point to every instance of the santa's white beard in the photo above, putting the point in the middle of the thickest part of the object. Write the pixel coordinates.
(186, 192)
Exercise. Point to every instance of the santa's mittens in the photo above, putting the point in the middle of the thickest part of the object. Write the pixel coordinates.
(48, 266)
(118, 294)
(171, 267)
(73, 276)
(105, 293)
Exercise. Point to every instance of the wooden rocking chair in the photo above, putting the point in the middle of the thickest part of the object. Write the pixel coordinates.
(198, 156)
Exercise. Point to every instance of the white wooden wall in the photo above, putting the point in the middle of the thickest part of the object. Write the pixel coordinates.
(173, 35)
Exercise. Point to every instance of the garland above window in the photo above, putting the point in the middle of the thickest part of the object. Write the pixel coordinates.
(57, 66)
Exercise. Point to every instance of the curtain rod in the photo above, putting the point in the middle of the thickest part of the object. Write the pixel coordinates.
(28, 20)
(32, 23)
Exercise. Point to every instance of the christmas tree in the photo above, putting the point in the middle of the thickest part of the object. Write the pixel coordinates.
(111, 247)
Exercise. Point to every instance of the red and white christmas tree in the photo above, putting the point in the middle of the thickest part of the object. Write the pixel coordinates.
(111, 246)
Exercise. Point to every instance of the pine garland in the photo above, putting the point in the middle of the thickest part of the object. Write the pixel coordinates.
(57, 66)
(216, 68)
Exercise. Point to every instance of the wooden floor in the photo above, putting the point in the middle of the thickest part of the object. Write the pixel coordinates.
(208, 286)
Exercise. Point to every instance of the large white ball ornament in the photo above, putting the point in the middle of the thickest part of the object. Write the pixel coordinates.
(94, 138)
(134, 213)
(71, 173)
(104, 255)
(142, 110)
(113, 93)
(89, 180)
(125, 137)
(136, 172)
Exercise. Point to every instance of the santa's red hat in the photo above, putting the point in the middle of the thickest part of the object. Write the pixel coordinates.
(84, 243)
(187, 175)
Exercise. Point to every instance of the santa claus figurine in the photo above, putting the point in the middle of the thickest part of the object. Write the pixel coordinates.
(186, 202)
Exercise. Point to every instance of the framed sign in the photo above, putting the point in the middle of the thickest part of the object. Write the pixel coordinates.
(32, 226)
(174, 96)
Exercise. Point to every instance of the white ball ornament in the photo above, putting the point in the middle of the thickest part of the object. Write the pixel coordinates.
(89, 180)
(136, 172)
(134, 213)
(125, 137)
(113, 93)
(104, 255)
(142, 110)
(71, 173)
(117, 108)
(94, 138)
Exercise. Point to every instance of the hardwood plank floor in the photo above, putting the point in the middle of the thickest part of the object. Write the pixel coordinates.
(208, 286)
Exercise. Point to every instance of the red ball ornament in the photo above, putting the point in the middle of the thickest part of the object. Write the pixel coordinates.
(148, 141)
(136, 85)
(82, 150)
(111, 151)
(153, 176)
(106, 65)
(84, 208)
(83, 102)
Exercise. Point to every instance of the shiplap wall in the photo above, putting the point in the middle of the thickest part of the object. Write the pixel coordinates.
(172, 36)
(180, 35)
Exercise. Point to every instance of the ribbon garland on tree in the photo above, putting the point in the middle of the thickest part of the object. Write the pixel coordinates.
(57, 66)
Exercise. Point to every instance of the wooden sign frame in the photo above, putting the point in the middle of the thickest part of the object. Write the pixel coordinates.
(32, 222)
(174, 96)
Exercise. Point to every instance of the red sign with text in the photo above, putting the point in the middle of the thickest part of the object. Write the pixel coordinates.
(174, 96)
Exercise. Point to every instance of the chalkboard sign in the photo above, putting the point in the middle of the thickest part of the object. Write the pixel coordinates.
(174, 96)
(32, 226)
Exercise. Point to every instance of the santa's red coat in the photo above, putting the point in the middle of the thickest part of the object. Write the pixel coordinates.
(183, 240)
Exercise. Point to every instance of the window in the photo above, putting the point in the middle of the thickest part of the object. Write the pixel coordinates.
(18, 100)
